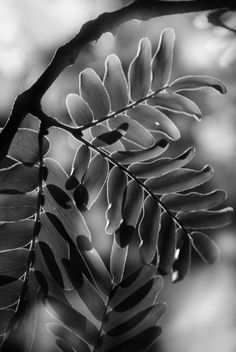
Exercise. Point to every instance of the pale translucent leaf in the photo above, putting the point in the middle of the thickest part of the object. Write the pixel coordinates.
(205, 247)
(133, 203)
(16, 234)
(127, 157)
(162, 166)
(115, 83)
(162, 60)
(25, 147)
(196, 82)
(95, 178)
(136, 133)
(19, 178)
(154, 120)
(140, 71)
(176, 102)
(14, 207)
(179, 180)
(194, 201)
(79, 110)
(207, 219)
(94, 93)
(116, 185)
(13, 263)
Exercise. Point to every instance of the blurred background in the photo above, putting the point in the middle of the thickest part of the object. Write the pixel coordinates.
(201, 312)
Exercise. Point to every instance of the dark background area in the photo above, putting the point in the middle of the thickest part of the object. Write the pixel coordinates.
(201, 310)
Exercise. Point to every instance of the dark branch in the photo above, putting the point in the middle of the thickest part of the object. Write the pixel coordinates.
(30, 100)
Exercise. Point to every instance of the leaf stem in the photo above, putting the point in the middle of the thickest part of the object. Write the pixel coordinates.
(128, 107)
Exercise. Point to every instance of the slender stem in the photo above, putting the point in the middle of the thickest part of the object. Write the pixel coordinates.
(104, 318)
(136, 179)
(128, 107)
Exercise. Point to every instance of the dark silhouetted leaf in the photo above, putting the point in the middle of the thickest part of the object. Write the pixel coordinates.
(154, 120)
(206, 219)
(81, 197)
(111, 137)
(116, 185)
(177, 103)
(118, 257)
(181, 265)
(16, 234)
(9, 294)
(59, 248)
(127, 157)
(166, 244)
(23, 329)
(124, 234)
(194, 200)
(79, 111)
(149, 229)
(196, 82)
(115, 83)
(60, 197)
(50, 260)
(5, 317)
(13, 263)
(162, 60)
(19, 178)
(95, 264)
(93, 92)
(25, 146)
(85, 290)
(64, 346)
(179, 180)
(72, 319)
(205, 247)
(140, 342)
(14, 207)
(136, 132)
(79, 167)
(162, 166)
(102, 128)
(67, 335)
(140, 71)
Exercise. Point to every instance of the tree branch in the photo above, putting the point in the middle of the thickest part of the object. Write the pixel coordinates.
(30, 100)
